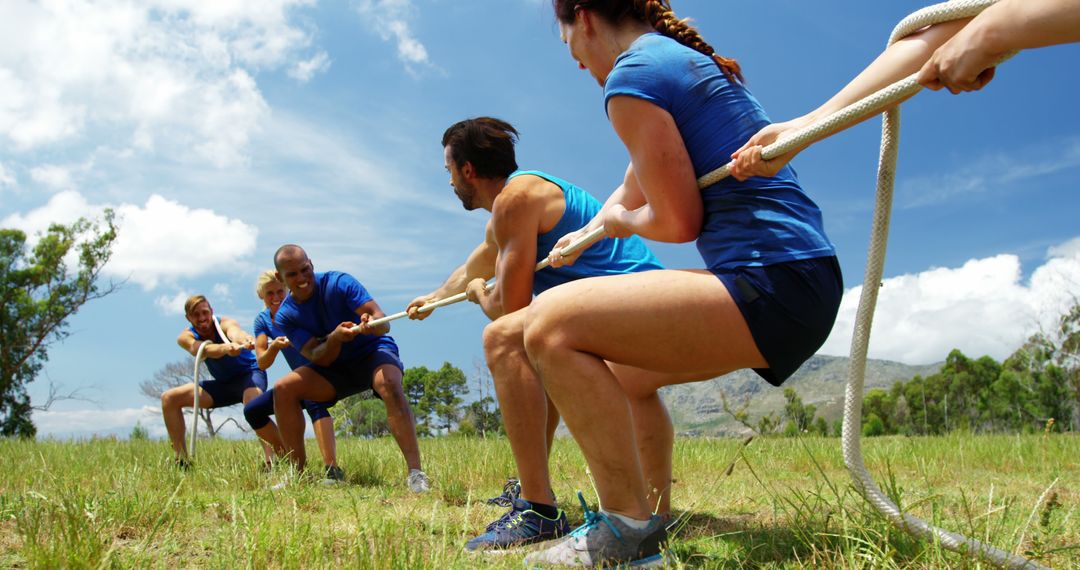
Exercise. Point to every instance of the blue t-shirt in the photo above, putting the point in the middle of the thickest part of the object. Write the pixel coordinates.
(227, 367)
(760, 221)
(264, 324)
(335, 300)
(605, 257)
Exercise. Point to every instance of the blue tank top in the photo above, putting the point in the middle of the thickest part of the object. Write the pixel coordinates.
(264, 324)
(756, 222)
(605, 257)
(228, 367)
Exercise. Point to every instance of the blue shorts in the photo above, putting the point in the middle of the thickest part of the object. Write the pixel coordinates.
(789, 307)
(231, 390)
(356, 375)
(258, 411)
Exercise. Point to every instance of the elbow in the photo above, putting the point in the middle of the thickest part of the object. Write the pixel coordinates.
(686, 232)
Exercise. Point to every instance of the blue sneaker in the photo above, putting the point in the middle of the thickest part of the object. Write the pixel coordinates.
(605, 541)
(518, 527)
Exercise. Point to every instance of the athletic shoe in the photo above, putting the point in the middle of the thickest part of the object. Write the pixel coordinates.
(511, 491)
(418, 481)
(521, 525)
(334, 475)
(605, 541)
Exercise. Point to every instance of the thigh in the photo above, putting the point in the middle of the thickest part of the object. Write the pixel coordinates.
(308, 384)
(681, 322)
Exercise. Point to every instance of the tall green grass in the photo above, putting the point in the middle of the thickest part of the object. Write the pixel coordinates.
(787, 503)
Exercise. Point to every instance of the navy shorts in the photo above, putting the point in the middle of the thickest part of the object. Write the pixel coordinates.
(789, 307)
(258, 410)
(356, 375)
(231, 390)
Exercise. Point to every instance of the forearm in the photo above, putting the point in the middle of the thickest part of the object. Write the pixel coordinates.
(326, 352)
(898, 61)
(265, 358)
(1020, 24)
(645, 222)
(453, 285)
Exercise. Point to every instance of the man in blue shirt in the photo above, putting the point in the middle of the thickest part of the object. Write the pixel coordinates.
(319, 317)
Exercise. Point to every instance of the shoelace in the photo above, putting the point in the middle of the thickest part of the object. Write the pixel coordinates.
(502, 522)
(511, 491)
(592, 520)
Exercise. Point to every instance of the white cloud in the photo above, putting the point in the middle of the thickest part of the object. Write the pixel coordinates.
(51, 175)
(981, 308)
(119, 422)
(161, 241)
(157, 75)
(174, 305)
(221, 291)
(7, 178)
(390, 19)
(303, 71)
(166, 240)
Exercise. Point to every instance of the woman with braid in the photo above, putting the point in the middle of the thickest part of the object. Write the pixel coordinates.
(766, 298)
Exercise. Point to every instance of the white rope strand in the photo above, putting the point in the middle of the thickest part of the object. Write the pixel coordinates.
(195, 381)
(852, 424)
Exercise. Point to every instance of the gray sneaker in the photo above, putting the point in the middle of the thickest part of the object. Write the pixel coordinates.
(418, 481)
(605, 541)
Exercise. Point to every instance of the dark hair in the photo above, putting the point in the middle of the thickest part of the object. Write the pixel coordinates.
(656, 13)
(486, 142)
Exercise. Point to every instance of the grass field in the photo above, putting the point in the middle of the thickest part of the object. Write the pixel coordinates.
(788, 503)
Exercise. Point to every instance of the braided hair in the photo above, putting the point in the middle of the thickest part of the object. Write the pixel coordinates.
(656, 13)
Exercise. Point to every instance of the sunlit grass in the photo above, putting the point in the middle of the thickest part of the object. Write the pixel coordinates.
(788, 503)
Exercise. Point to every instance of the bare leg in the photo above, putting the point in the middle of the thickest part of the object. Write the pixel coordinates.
(324, 434)
(268, 445)
(172, 403)
(387, 382)
(552, 422)
(304, 384)
(680, 322)
(523, 403)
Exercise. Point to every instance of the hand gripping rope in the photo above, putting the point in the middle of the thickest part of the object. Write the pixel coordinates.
(195, 381)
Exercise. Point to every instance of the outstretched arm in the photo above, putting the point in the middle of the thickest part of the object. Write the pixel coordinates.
(189, 343)
(479, 265)
(898, 61)
(966, 62)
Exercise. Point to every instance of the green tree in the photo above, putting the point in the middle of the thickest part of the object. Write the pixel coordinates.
(483, 416)
(435, 397)
(38, 294)
(799, 415)
(360, 415)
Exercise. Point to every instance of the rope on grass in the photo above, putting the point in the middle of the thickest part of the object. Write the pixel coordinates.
(852, 424)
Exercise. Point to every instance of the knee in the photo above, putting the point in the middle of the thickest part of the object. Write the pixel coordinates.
(286, 389)
(170, 399)
(541, 336)
(257, 414)
(499, 340)
(389, 387)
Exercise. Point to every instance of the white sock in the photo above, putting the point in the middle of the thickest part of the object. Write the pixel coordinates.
(632, 523)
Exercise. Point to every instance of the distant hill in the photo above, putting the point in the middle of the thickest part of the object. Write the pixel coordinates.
(696, 408)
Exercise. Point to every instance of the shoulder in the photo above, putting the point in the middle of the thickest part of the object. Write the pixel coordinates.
(526, 194)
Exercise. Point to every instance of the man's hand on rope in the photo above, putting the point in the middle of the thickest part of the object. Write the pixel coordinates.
(747, 161)
(962, 64)
(280, 343)
(413, 308)
(476, 289)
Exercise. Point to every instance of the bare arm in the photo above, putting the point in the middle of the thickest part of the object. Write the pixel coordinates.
(189, 343)
(235, 333)
(479, 265)
(267, 349)
(515, 224)
(661, 167)
(898, 61)
(966, 62)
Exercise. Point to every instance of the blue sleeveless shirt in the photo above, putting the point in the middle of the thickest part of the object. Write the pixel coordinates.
(605, 257)
(227, 367)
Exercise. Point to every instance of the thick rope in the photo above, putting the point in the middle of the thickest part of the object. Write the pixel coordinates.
(195, 381)
(853, 399)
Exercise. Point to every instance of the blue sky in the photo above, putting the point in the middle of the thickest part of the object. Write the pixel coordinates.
(222, 130)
